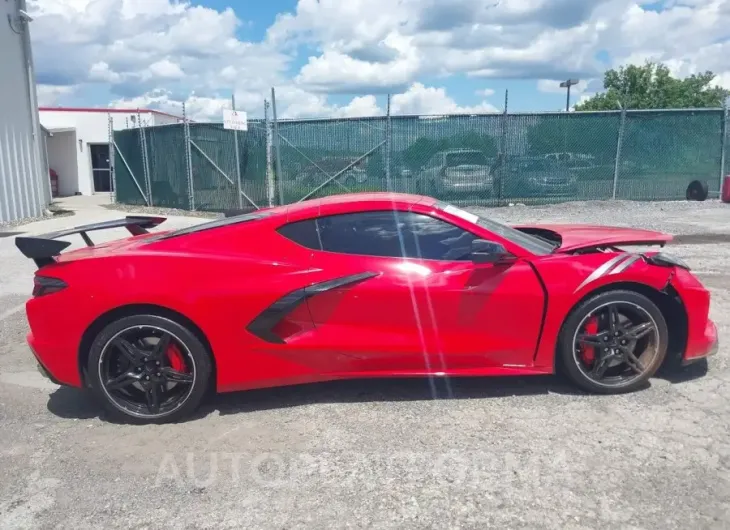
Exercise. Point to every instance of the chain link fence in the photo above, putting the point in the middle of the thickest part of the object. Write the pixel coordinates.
(484, 160)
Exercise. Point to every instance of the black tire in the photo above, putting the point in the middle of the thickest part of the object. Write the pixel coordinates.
(196, 357)
(571, 362)
(697, 190)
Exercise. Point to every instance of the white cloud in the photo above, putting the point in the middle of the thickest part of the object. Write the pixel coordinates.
(165, 69)
(165, 50)
(485, 92)
(136, 47)
(197, 108)
(420, 99)
(292, 102)
(374, 45)
(101, 72)
(49, 96)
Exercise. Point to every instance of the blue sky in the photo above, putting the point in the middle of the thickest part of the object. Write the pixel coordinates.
(341, 58)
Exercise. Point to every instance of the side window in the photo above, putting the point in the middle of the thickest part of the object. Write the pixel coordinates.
(364, 233)
(302, 232)
(395, 234)
(432, 238)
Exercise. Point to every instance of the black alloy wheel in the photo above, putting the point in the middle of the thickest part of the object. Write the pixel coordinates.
(149, 369)
(614, 342)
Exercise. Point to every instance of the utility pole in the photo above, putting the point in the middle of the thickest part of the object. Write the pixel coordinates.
(567, 84)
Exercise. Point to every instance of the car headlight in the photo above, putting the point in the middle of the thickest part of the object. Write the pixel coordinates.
(666, 260)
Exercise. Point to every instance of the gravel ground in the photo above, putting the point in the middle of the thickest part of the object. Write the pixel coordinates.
(51, 212)
(503, 452)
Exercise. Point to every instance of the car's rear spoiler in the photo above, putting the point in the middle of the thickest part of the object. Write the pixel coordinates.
(43, 248)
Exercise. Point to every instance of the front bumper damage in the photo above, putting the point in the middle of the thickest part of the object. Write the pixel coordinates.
(709, 347)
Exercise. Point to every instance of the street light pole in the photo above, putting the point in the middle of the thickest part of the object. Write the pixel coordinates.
(567, 84)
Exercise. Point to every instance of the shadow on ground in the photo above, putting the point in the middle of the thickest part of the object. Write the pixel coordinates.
(79, 404)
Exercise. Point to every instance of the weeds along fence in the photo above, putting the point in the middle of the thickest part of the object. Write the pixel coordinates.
(484, 160)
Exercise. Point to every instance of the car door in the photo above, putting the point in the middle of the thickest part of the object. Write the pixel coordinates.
(365, 312)
(416, 302)
(476, 316)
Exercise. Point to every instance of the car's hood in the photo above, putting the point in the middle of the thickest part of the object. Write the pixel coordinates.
(575, 237)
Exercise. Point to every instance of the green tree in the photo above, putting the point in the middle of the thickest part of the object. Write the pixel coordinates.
(591, 134)
(651, 86)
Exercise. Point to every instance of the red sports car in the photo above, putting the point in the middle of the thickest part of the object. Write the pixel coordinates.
(354, 286)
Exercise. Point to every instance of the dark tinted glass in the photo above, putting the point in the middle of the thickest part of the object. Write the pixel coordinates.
(394, 234)
(366, 233)
(302, 232)
(436, 239)
(467, 158)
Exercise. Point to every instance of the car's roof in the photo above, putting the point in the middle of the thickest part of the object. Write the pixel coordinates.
(334, 204)
(362, 201)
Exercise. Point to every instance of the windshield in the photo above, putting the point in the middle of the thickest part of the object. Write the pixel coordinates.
(529, 242)
(469, 158)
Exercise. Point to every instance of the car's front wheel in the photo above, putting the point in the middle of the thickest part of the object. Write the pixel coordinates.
(148, 369)
(613, 342)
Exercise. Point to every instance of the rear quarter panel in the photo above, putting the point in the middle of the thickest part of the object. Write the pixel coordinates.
(220, 280)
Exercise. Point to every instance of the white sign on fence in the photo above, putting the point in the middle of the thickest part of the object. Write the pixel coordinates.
(235, 119)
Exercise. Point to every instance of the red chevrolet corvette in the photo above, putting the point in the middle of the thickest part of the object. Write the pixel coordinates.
(354, 286)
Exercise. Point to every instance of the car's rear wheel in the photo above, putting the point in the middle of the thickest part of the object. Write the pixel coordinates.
(148, 369)
(613, 342)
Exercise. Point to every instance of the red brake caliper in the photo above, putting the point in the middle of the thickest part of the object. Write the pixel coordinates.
(177, 362)
(589, 352)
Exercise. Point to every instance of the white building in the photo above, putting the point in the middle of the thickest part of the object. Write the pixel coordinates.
(24, 183)
(78, 148)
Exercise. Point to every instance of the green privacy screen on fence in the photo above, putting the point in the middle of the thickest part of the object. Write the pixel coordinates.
(478, 160)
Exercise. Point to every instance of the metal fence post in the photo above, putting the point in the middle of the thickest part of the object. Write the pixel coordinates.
(145, 160)
(503, 148)
(388, 147)
(112, 156)
(238, 158)
(188, 159)
(619, 143)
(277, 148)
(270, 190)
(723, 144)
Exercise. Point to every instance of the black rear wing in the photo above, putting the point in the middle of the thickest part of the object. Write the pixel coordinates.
(44, 247)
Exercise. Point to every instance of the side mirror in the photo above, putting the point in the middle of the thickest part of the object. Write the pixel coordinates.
(483, 251)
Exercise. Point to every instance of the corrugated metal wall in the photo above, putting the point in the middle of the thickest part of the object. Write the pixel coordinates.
(24, 184)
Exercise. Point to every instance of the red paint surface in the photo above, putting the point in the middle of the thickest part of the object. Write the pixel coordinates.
(416, 317)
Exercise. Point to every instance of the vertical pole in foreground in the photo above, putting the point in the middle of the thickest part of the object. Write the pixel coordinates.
(619, 143)
(567, 101)
(277, 150)
(723, 145)
(270, 190)
(145, 159)
(188, 160)
(388, 147)
(501, 169)
(238, 159)
(112, 155)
